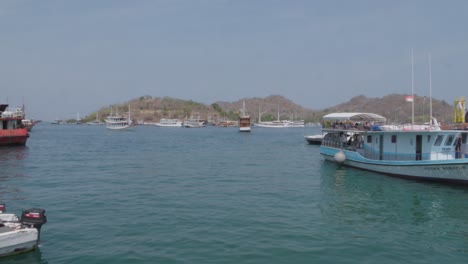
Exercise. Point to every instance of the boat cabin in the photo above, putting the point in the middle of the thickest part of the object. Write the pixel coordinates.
(10, 119)
(401, 145)
(370, 139)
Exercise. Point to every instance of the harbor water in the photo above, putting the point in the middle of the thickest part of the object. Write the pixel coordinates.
(214, 195)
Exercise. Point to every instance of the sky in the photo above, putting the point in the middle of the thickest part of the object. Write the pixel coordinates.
(64, 58)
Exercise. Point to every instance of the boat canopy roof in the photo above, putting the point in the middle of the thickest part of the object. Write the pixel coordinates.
(369, 117)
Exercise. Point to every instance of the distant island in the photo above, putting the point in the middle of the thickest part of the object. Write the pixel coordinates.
(393, 107)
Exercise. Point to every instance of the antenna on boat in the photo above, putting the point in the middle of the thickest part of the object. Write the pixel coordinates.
(412, 87)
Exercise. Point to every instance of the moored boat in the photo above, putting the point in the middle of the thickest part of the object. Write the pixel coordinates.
(118, 122)
(314, 139)
(163, 122)
(96, 122)
(244, 120)
(12, 130)
(19, 235)
(58, 122)
(354, 140)
(193, 123)
(281, 124)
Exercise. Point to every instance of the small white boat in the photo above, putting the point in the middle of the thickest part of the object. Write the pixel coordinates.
(314, 139)
(296, 123)
(169, 123)
(432, 154)
(118, 122)
(20, 235)
(96, 122)
(279, 123)
(272, 124)
(58, 122)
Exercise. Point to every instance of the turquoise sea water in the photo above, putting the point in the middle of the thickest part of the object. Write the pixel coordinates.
(214, 195)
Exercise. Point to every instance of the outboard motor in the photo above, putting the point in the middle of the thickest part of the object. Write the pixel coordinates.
(34, 217)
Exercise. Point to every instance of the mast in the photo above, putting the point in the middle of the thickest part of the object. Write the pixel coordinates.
(129, 118)
(412, 87)
(430, 90)
(243, 108)
(259, 115)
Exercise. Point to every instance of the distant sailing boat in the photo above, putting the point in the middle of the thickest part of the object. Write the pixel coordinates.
(244, 120)
(97, 121)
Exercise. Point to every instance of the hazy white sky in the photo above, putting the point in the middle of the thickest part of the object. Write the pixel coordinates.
(65, 57)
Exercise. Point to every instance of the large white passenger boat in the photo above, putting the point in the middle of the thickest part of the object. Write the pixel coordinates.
(193, 123)
(118, 122)
(356, 140)
(169, 123)
(20, 235)
(281, 124)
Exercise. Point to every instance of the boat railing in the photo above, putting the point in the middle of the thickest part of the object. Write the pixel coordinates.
(376, 155)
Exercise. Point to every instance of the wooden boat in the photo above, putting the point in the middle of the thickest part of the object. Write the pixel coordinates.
(244, 120)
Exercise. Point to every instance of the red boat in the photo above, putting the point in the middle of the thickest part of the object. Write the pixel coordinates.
(12, 130)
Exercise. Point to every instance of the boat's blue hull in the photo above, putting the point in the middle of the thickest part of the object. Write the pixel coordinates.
(446, 170)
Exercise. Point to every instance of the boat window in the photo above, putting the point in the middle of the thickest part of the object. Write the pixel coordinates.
(428, 138)
(369, 139)
(449, 140)
(393, 138)
(438, 140)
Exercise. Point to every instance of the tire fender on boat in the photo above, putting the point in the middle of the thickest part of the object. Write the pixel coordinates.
(340, 157)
